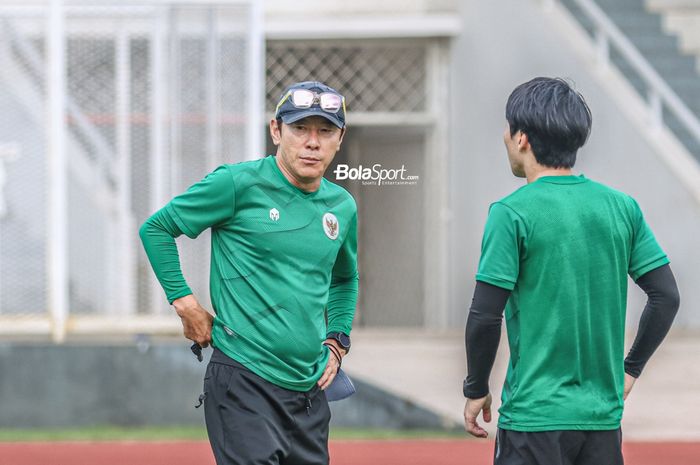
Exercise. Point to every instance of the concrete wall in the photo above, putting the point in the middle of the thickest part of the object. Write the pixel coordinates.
(359, 7)
(78, 385)
(502, 45)
(391, 220)
(81, 385)
(391, 227)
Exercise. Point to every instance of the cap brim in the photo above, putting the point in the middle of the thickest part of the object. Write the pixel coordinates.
(299, 115)
(341, 387)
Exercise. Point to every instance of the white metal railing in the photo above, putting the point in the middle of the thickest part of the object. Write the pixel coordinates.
(35, 41)
(83, 125)
(659, 94)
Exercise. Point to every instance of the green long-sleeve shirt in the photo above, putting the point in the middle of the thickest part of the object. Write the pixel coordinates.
(280, 259)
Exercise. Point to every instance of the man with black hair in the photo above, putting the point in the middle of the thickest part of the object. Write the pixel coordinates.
(555, 255)
(284, 284)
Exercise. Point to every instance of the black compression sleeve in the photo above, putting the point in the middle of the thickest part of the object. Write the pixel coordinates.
(481, 337)
(659, 312)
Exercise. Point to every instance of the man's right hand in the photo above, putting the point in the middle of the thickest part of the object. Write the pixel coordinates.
(471, 411)
(196, 321)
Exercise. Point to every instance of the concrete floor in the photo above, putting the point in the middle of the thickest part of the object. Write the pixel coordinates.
(428, 368)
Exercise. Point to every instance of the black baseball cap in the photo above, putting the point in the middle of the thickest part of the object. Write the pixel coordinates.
(290, 113)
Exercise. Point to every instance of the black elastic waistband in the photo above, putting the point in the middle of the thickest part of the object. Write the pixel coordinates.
(223, 359)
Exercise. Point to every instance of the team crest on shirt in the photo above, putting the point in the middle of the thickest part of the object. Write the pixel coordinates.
(274, 214)
(331, 226)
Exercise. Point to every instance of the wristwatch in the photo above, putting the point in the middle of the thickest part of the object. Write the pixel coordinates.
(342, 339)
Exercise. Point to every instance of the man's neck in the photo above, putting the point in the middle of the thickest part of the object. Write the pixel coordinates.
(532, 177)
(309, 187)
(536, 171)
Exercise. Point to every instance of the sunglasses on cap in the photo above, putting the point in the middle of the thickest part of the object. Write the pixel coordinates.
(303, 98)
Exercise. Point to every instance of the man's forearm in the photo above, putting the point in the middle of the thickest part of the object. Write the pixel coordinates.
(342, 300)
(158, 235)
(661, 308)
(482, 335)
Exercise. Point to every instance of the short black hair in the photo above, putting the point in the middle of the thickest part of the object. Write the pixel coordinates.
(555, 118)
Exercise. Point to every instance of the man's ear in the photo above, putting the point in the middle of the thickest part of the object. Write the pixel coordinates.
(340, 141)
(275, 132)
(523, 142)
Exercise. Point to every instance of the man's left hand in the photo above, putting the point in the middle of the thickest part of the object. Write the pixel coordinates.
(332, 366)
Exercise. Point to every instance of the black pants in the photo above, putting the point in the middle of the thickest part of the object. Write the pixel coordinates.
(558, 448)
(251, 421)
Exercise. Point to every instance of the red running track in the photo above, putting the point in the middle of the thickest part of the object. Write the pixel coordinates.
(429, 452)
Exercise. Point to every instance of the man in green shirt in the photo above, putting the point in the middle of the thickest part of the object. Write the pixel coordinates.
(283, 284)
(555, 255)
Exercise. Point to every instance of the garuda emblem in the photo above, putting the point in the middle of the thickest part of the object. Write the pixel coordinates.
(331, 226)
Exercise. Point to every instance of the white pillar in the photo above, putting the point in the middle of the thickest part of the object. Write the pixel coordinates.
(213, 91)
(57, 163)
(436, 189)
(159, 174)
(174, 110)
(123, 301)
(256, 82)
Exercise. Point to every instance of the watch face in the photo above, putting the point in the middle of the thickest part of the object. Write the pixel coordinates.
(344, 340)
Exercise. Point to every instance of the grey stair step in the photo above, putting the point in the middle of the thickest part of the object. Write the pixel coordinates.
(693, 106)
(637, 22)
(657, 44)
(667, 67)
(643, 29)
(682, 133)
(634, 32)
(689, 94)
(687, 139)
(606, 4)
(616, 7)
(576, 12)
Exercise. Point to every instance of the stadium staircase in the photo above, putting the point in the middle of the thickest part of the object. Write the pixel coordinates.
(645, 24)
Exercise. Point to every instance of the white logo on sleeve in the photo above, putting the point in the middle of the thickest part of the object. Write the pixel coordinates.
(274, 214)
(331, 226)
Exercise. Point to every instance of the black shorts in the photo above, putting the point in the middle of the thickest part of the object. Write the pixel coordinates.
(251, 421)
(558, 448)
